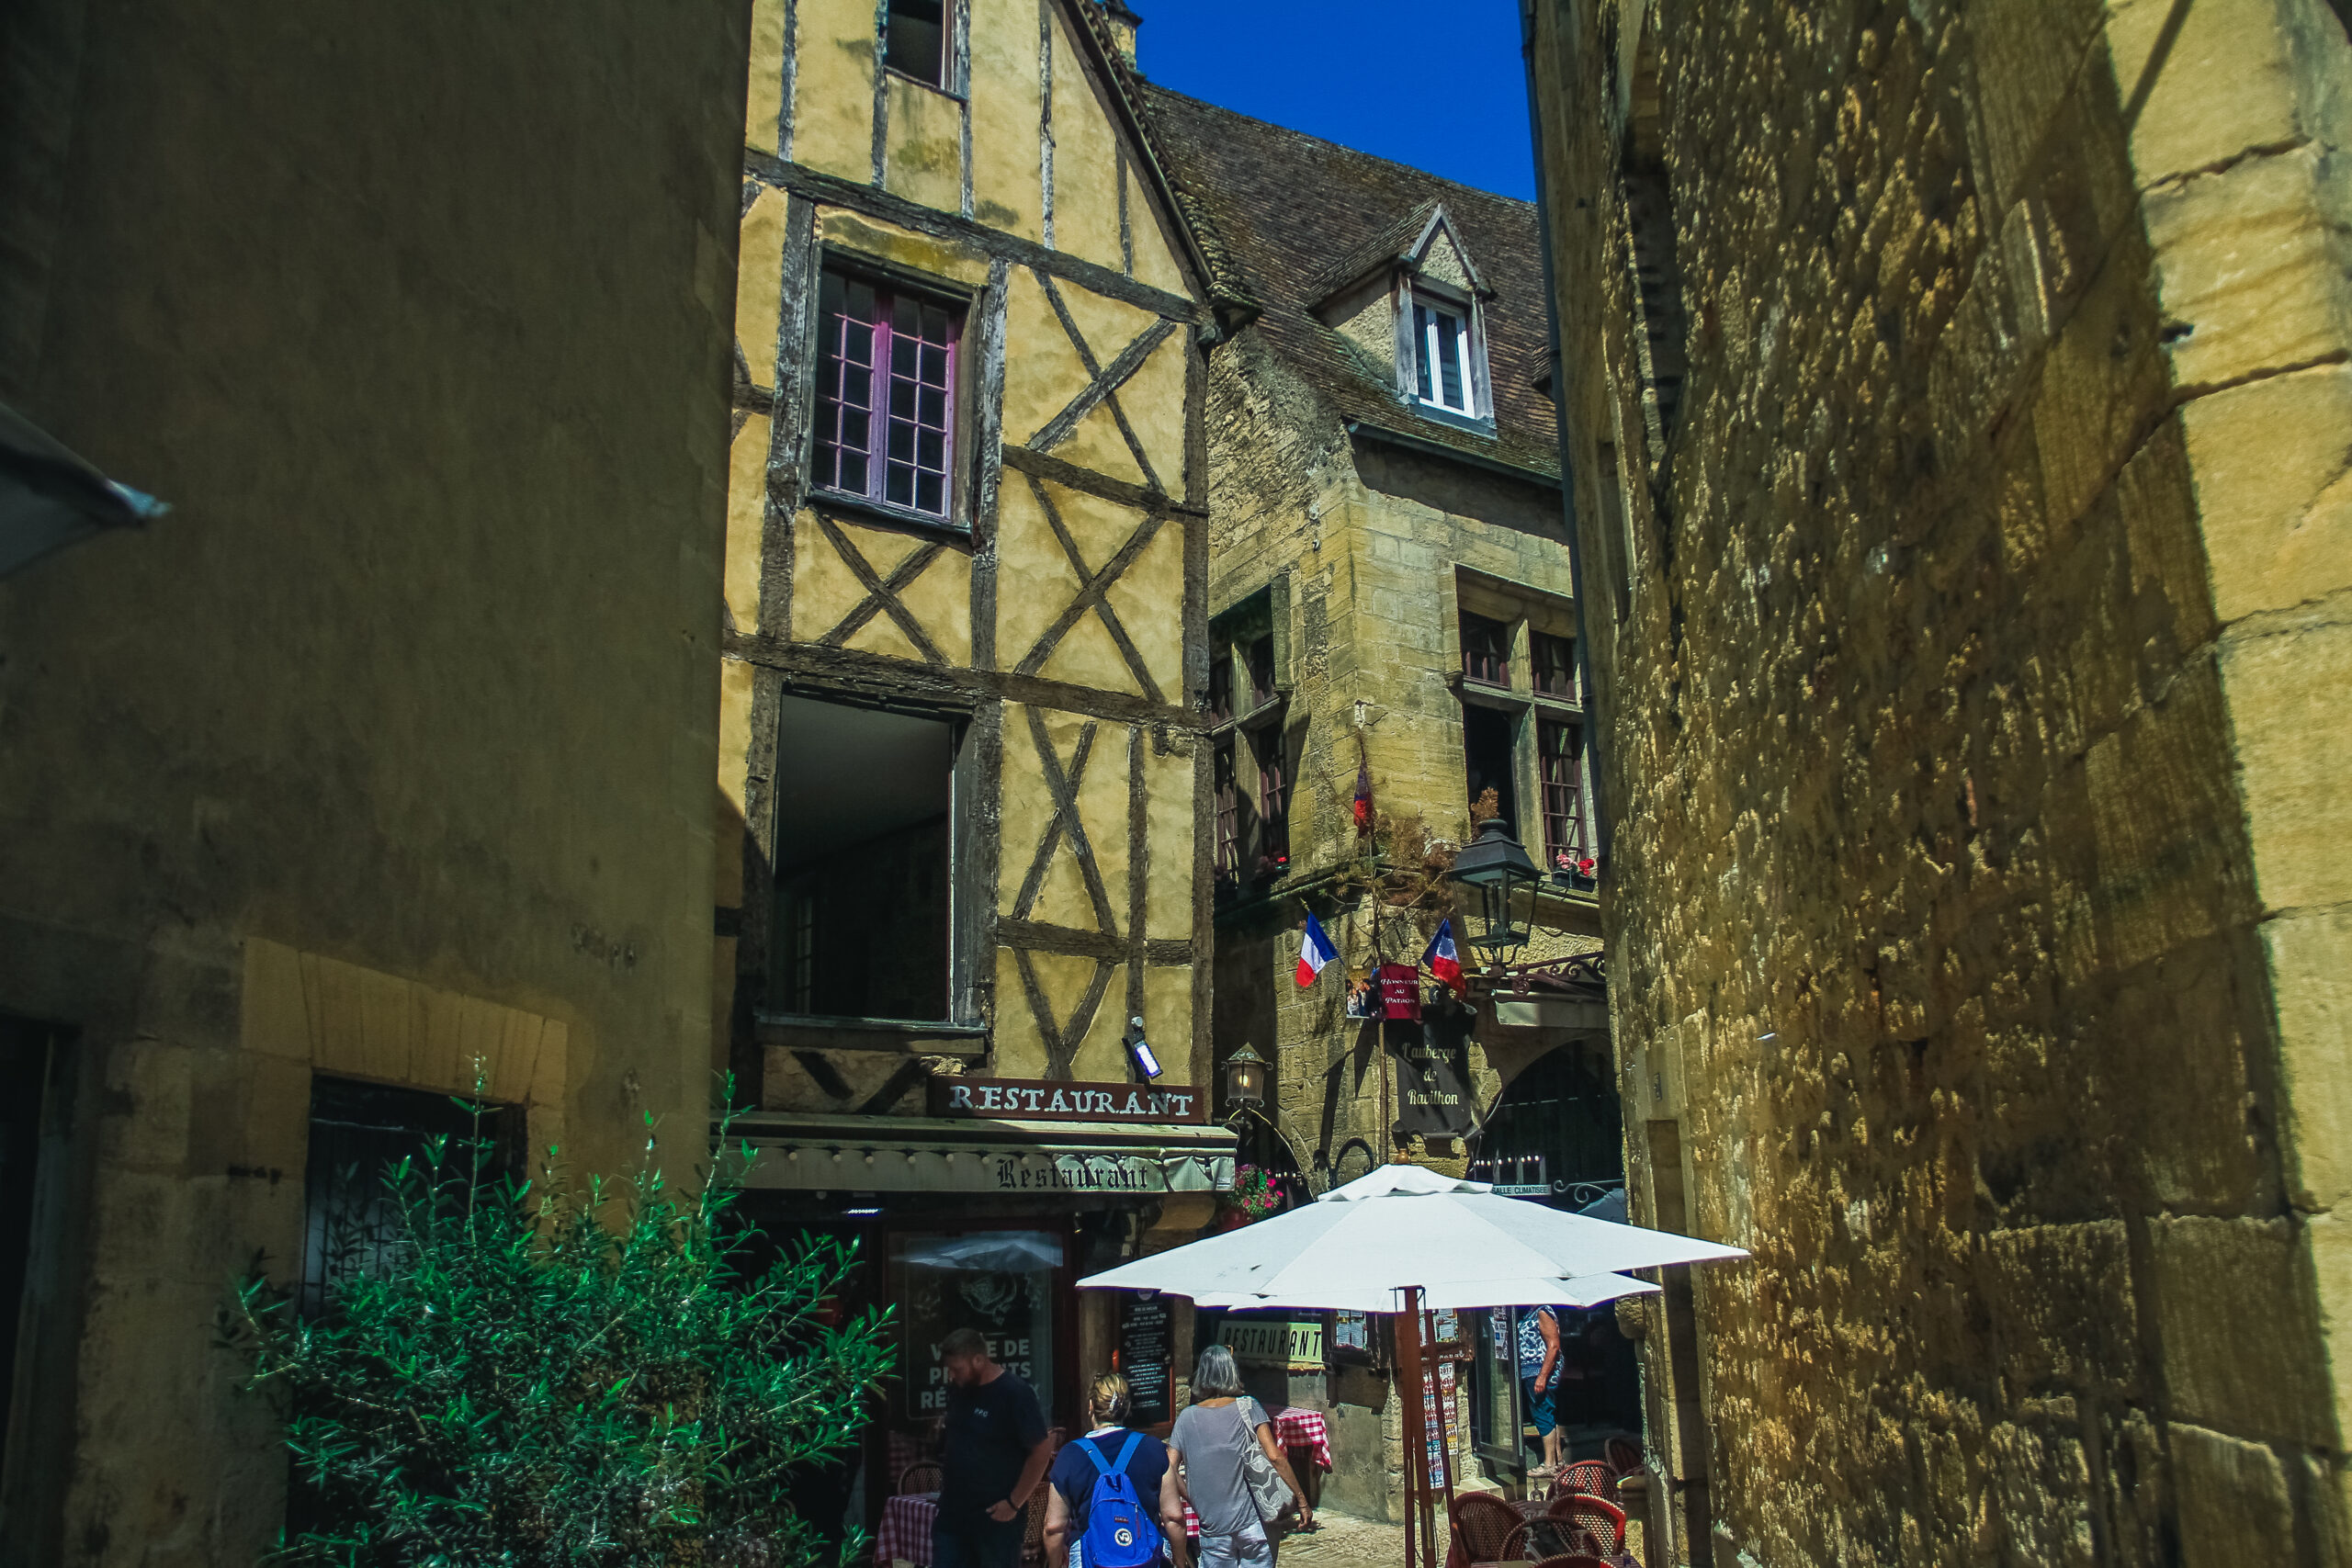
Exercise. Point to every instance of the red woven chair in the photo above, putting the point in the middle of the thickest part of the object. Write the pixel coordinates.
(1590, 1477)
(1483, 1527)
(1624, 1454)
(1599, 1520)
(923, 1475)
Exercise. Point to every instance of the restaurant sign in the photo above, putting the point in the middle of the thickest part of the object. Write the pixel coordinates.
(1296, 1346)
(1045, 1100)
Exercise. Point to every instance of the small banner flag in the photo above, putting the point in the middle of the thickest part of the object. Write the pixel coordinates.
(1363, 797)
(1315, 950)
(1441, 961)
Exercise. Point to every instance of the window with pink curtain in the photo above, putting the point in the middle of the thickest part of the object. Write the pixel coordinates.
(886, 395)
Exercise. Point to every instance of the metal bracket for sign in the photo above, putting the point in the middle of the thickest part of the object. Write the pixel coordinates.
(1587, 967)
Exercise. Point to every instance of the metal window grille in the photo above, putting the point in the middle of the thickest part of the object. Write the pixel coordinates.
(1486, 651)
(1555, 665)
(359, 1133)
(886, 395)
(1561, 749)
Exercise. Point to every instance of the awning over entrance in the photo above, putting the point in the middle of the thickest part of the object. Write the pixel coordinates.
(917, 1154)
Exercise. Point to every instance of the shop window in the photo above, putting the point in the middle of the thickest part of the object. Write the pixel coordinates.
(915, 40)
(1487, 742)
(1555, 665)
(1485, 650)
(1560, 749)
(359, 1132)
(1442, 374)
(1004, 1283)
(886, 395)
(863, 878)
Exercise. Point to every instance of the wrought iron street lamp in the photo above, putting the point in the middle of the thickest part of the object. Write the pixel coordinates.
(1245, 1080)
(1495, 868)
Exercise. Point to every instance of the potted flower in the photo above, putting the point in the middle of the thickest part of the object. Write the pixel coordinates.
(1253, 1198)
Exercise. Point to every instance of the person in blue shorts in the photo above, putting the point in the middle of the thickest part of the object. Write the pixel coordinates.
(1539, 1366)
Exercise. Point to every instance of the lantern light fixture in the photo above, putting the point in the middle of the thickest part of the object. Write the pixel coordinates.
(1495, 868)
(1245, 1079)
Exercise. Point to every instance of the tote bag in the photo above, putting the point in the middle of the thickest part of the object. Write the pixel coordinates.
(1268, 1492)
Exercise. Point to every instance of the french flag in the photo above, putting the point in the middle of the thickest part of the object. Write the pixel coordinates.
(1441, 961)
(1315, 950)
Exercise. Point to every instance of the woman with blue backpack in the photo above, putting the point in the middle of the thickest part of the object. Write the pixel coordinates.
(1114, 1502)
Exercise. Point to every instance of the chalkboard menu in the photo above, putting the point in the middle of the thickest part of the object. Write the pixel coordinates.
(1147, 1338)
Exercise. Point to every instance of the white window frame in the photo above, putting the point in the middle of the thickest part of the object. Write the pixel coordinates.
(1426, 353)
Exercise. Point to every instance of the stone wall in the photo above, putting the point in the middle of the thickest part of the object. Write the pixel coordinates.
(388, 753)
(1974, 751)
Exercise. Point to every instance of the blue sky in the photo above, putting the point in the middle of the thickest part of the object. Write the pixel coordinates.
(1331, 68)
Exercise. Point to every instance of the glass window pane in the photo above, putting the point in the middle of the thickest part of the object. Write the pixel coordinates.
(931, 492)
(898, 487)
(853, 476)
(902, 442)
(855, 424)
(1426, 347)
(931, 449)
(902, 399)
(931, 408)
(1449, 330)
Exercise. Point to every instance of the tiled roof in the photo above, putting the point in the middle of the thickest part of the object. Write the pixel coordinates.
(1291, 214)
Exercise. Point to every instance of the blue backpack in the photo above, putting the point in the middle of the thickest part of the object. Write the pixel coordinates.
(1119, 1532)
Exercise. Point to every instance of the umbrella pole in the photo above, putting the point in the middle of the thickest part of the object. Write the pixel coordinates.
(1419, 1532)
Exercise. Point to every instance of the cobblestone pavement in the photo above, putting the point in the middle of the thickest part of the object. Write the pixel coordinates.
(1341, 1542)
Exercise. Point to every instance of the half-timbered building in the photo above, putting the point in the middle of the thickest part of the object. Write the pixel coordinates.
(963, 940)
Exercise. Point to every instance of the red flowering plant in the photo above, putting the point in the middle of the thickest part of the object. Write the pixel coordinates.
(1253, 1196)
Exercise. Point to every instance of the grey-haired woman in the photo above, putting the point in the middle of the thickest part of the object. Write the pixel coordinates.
(1209, 1449)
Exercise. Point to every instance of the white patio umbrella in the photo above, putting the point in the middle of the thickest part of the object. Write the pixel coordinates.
(1405, 1227)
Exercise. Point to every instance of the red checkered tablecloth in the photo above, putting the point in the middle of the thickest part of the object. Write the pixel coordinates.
(1300, 1428)
(905, 1534)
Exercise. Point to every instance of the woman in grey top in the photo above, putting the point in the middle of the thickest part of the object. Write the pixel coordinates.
(1207, 1449)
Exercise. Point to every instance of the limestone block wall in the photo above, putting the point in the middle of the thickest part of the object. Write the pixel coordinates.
(1977, 935)
(387, 751)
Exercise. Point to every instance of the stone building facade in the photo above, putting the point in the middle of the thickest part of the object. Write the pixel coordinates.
(963, 791)
(382, 761)
(1391, 627)
(1956, 404)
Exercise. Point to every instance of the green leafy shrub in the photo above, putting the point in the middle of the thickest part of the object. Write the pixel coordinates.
(541, 1374)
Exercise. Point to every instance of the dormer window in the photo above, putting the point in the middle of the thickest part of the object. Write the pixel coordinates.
(1441, 345)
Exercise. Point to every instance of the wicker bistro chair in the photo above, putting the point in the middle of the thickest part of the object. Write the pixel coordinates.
(1595, 1519)
(1032, 1534)
(1589, 1477)
(1624, 1454)
(923, 1475)
(1484, 1526)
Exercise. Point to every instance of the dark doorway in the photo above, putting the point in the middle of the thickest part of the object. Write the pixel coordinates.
(28, 1064)
(864, 863)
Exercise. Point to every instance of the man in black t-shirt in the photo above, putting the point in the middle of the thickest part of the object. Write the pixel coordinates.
(994, 1454)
